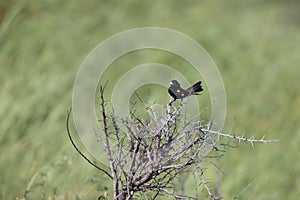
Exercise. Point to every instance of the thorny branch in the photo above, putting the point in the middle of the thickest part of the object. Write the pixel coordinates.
(150, 153)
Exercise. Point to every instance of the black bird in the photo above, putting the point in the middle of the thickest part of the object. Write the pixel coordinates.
(178, 93)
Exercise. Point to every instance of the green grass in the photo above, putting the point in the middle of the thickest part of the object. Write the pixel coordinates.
(42, 44)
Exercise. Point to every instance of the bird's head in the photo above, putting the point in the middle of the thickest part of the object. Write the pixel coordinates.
(174, 83)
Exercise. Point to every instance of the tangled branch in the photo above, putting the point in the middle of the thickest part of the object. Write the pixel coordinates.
(148, 154)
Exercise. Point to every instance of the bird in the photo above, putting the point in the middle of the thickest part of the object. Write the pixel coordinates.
(178, 93)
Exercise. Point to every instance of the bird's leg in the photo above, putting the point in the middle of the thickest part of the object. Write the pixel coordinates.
(170, 104)
(181, 101)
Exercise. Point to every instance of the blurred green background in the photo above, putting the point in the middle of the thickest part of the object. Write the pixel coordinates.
(255, 44)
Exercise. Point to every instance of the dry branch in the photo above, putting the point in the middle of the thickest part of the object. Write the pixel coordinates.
(148, 154)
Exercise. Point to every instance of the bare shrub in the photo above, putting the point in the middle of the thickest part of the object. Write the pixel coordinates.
(152, 153)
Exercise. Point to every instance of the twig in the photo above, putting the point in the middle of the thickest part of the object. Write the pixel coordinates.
(80, 153)
(239, 194)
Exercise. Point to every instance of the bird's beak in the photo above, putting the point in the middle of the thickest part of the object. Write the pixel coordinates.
(171, 83)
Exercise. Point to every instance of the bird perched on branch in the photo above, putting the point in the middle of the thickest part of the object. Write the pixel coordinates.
(178, 93)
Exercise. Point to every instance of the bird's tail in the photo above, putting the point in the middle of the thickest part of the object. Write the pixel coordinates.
(197, 87)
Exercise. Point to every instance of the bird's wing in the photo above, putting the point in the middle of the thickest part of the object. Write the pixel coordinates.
(177, 92)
